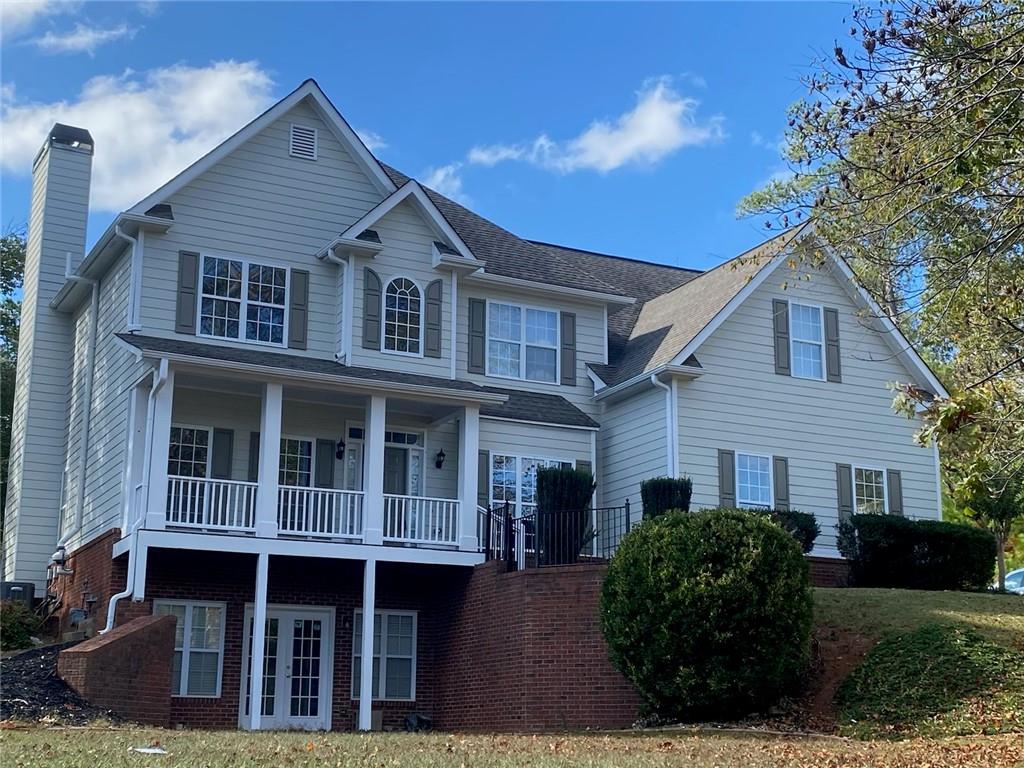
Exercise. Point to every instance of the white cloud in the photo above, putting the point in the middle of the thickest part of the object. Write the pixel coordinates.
(147, 126)
(373, 140)
(148, 7)
(446, 180)
(18, 15)
(775, 147)
(661, 123)
(82, 39)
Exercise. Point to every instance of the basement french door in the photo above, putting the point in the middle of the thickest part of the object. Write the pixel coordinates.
(297, 668)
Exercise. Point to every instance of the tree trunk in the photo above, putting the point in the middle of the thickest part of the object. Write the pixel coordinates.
(1001, 537)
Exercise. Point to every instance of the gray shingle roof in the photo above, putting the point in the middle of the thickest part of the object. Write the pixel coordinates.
(520, 406)
(537, 406)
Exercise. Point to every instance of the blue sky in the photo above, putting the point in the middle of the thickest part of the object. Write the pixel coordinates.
(629, 129)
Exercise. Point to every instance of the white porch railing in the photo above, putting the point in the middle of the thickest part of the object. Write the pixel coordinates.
(228, 505)
(320, 512)
(421, 520)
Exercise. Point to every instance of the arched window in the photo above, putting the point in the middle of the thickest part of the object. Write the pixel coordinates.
(403, 316)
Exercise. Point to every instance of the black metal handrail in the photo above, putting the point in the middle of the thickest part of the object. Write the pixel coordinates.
(544, 538)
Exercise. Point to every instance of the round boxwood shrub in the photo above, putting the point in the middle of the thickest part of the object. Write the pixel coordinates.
(708, 614)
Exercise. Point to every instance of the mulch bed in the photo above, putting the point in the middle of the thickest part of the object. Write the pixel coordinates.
(32, 692)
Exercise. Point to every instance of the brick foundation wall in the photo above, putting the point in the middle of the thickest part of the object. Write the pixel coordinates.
(90, 584)
(524, 651)
(127, 670)
(829, 571)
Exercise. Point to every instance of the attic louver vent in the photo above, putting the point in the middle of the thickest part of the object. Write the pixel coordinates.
(303, 142)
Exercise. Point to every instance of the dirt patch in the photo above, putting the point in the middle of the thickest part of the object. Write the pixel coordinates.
(32, 692)
(837, 654)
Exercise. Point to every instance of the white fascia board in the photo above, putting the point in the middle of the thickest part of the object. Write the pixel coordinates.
(539, 423)
(550, 289)
(350, 245)
(213, 542)
(353, 383)
(684, 372)
(455, 263)
(596, 380)
(331, 116)
(411, 189)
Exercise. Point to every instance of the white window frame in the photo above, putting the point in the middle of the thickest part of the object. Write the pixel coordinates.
(517, 507)
(522, 342)
(243, 310)
(379, 695)
(316, 141)
(312, 458)
(853, 485)
(794, 340)
(384, 315)
(186, 647)
(209, 446)
(747, 504)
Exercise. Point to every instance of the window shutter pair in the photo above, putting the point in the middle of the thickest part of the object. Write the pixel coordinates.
(187, 302)
(780, 331)
(373, 313)
(844, 491)
(477, 342)
(727, 480)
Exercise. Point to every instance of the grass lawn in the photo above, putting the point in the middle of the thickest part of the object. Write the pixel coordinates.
(110, 748)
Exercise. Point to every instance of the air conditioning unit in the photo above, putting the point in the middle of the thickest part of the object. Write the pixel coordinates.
(18, 592)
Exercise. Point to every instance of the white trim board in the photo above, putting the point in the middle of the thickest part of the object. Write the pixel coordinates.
(309, 89)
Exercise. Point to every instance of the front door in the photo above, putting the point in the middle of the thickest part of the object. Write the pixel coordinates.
(396, 471)
(297, 668)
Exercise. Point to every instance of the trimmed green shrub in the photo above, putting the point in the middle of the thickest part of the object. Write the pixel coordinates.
(563, 524)
(892, 551)
(802, 526)
(708, 614)
(661, 494)
(17, 625)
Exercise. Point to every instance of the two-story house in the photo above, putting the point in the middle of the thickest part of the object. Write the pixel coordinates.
(280, 389)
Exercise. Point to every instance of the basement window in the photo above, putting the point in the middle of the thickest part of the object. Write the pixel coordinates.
(303, 142)
(198, 647)
(394, 655)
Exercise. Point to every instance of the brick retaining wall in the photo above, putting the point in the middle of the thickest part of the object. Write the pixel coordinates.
(127, 670)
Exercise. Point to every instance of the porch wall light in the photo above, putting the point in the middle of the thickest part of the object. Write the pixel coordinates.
(339, 449)
(439, 459)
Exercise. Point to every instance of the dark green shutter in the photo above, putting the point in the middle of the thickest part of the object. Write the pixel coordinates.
(780, 477)
(726, 478)
(432, 319)
(298, 309)
(254, 457)
(371, 309)
(324, 474)
(221, 454)
(844, 488)
(780, 326)
(477, 335)
(188, 292)
(568, 351)
(832, 364)
(895, 491)
(483, 479)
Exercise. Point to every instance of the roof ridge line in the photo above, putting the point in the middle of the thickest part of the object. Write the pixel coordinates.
(631, 259)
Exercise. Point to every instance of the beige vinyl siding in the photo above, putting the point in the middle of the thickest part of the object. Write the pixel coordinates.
(741, 404)
(258, 203)
(408, 252)
(590, 341)
(39, 429)
(633, 447)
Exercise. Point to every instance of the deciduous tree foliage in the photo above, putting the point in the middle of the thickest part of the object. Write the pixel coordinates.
(908, 154)
(12, 268)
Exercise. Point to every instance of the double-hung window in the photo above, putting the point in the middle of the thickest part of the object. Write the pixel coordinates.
(514, 479)
(198, 646)
(189, 453)
(753, 480)
(243, 300)
(522, 342)
(869, 491)
(807, 340)
(394, 655)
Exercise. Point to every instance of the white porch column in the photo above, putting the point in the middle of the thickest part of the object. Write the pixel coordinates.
(469, 448)
(373, 479)
(259, 631)
(160, 447)
(366, 657)
(270, 459)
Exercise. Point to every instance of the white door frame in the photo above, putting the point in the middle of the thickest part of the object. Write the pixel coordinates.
(282, 692)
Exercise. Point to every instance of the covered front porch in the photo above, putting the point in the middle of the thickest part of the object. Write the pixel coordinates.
(264, 457)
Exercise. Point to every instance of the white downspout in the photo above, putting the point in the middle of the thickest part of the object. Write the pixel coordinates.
(90, 360)
(135, 524)
(132, 320)
(669, 438)
(346, 275)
